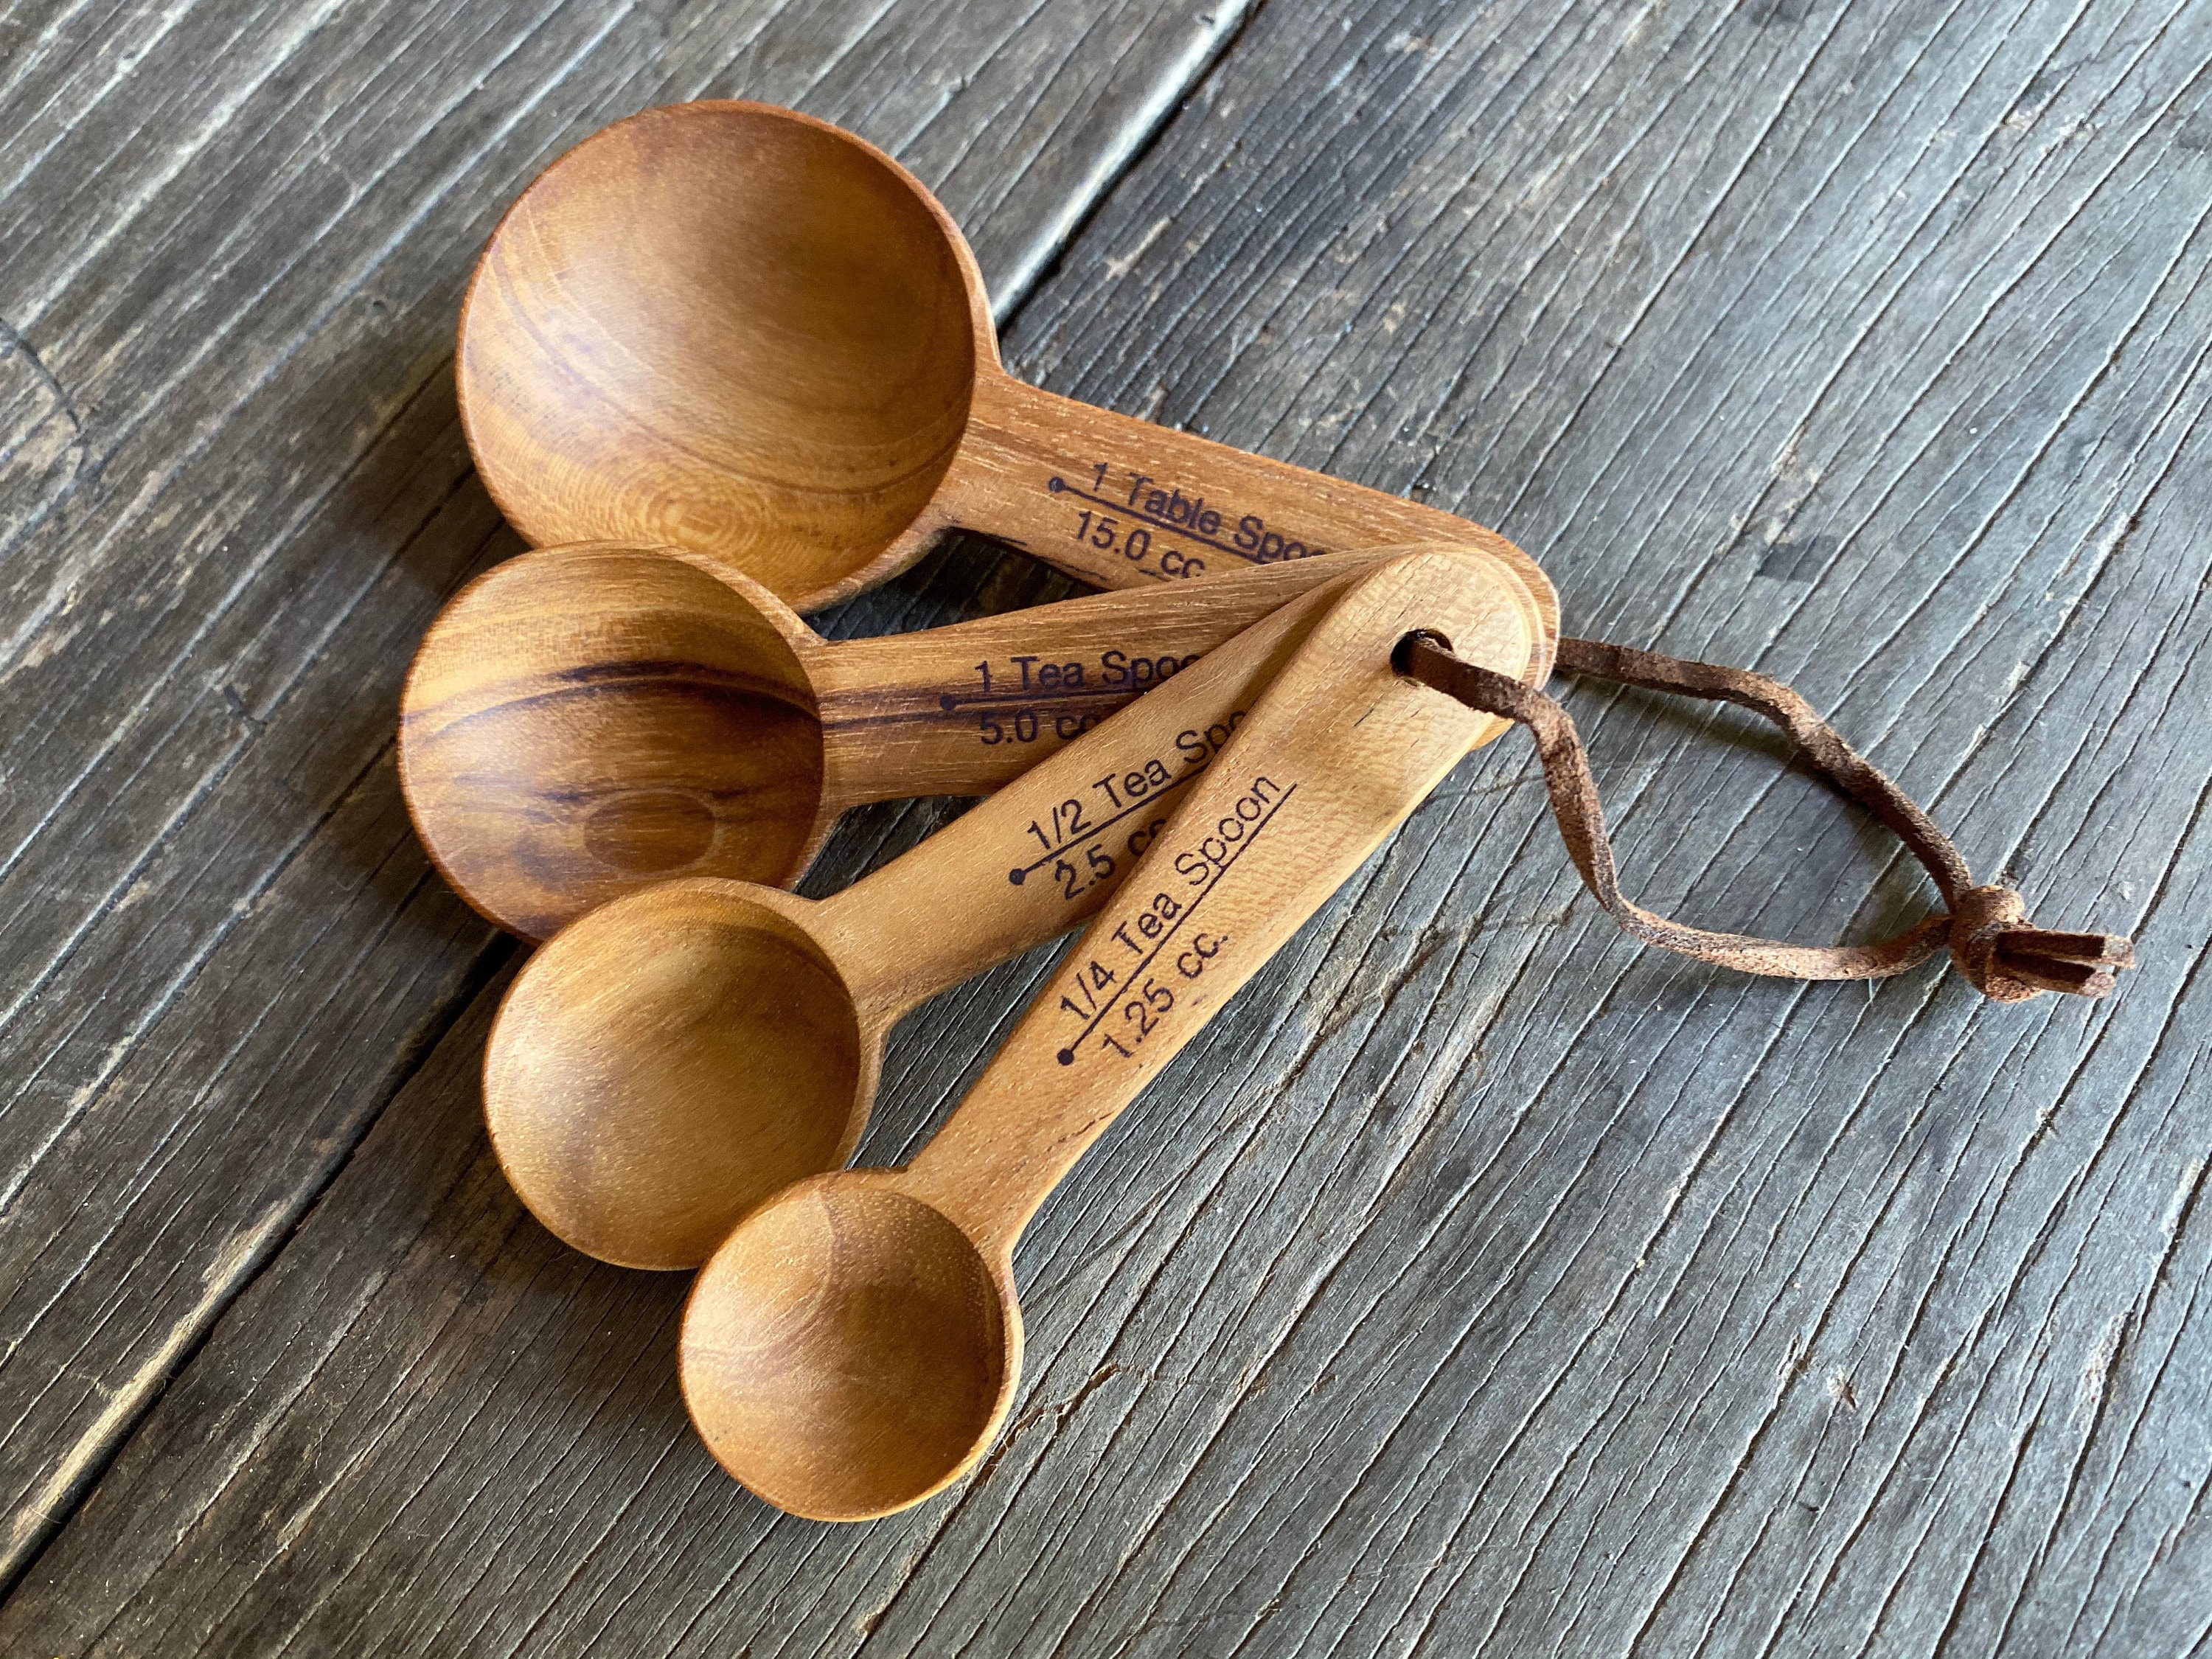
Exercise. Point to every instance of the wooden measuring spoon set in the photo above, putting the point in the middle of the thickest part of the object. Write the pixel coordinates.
(723, 363)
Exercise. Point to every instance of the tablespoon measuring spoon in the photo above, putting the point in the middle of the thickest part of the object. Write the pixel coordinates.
(855, 1344)
(739, 329)
(582, 722)
(674, 1057)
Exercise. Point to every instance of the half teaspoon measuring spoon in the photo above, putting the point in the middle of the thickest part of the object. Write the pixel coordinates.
(854, 1345)
(672, 1058)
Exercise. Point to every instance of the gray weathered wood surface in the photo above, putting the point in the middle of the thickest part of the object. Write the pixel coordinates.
(1481, 1284)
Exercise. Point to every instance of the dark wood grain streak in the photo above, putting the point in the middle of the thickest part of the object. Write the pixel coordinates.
(234, 492)
(1482, 1284)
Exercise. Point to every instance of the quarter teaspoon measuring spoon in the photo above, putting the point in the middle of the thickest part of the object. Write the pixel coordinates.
(854, 1345)
(675, 1056)
(739, 329)
(585, 720)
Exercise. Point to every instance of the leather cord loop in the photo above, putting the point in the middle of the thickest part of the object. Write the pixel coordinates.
(1985, 928)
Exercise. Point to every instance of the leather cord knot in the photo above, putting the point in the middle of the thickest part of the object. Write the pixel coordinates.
(1980, 917)
(1986, 927)
(2008, 960)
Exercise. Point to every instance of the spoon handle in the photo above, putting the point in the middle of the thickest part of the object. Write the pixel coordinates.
(1338, 749)
(1042, 854)
(1120, 502)
(966, 709)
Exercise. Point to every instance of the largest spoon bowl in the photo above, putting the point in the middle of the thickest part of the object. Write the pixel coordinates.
(729, 327)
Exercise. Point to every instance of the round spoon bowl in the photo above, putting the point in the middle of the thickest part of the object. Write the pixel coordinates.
(584, 720)
(729, 327)
(849, 1350)
(638, 1112)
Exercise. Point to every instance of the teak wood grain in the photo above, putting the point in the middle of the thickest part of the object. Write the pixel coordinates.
(740, 329)
(854, 1345)
(1482, 1285)
(583, 722)
(674, 1057)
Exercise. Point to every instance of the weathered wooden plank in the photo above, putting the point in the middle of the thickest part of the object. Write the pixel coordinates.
(234, 237)
(1482, 1284)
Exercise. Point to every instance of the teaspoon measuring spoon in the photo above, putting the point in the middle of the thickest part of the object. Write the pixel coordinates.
(854, 1345)
(586, 720)
(737, 329)
(674, 1057)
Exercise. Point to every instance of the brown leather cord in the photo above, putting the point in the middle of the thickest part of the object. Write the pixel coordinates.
(1985, 927)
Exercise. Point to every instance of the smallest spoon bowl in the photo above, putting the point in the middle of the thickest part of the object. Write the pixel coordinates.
(850, 1351)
